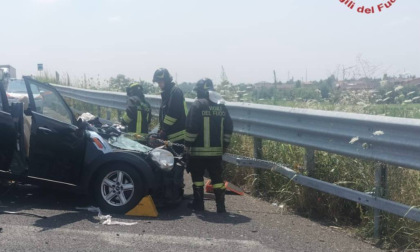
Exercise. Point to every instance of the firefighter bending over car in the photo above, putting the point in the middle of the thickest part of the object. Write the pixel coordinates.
(138, 114)
(173, 109)
(208, 132)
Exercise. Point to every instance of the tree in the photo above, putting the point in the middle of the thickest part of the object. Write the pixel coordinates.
(226, 89)
(119, 83)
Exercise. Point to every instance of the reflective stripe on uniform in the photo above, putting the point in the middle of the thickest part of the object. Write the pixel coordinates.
(199, 183)
(219, 186)
(206, 152)
(180, 135)
(169, 120)
(227, 137)
(190, 137)
(126, 118)
(206, 126)
(139, 122)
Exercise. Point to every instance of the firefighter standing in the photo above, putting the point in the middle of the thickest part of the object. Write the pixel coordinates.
(208, 132)
(138, 114)
(173, 109)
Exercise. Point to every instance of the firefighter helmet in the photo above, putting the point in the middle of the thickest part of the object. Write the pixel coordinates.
(204, 84)
(162, 74)
(135, 89)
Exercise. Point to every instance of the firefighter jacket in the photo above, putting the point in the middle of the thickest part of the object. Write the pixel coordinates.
(137, 116)
(172, 114)
(208, 128)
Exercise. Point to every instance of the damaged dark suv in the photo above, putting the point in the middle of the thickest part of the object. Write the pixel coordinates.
(50, 147)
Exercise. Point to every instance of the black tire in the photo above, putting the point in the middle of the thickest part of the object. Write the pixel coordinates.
(102, 188)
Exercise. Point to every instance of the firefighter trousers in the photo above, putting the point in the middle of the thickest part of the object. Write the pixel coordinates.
(213, 165)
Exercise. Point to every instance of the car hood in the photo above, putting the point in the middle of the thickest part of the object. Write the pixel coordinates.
(125, 143)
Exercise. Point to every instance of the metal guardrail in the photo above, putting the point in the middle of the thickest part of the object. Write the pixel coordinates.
(322, 130)
(115, 100)
(342, 192)
(387, 139)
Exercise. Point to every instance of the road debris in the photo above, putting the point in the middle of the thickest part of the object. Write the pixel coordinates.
(24, 214)
(107, 219)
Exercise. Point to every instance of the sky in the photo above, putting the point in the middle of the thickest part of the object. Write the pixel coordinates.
(303, 39)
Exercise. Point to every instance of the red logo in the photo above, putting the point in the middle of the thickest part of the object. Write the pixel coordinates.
(383, 5)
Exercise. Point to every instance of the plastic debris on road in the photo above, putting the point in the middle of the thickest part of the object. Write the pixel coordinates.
(107, 219)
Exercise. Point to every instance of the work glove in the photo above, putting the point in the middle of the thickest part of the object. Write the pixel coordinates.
(162, 135)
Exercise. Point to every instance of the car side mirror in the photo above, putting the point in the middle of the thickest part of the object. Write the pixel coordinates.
(81, 127)
(81, 124)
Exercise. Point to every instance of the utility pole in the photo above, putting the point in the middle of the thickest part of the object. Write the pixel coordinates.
(306, 75)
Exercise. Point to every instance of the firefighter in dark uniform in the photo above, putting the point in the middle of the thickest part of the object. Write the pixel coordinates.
(138, 114)
(173, 109)
(208, 132)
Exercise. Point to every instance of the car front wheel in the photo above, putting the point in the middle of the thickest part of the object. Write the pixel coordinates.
(118, 188)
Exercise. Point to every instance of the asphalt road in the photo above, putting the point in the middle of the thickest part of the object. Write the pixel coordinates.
(251, 225)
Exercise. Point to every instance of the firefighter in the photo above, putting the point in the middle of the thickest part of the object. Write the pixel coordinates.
(138, 114)
(173, 109)
(208, 132)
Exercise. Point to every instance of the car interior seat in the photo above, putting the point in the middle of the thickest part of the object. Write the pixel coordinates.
(27, 122)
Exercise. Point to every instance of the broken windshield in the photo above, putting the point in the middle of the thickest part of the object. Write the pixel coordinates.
(123, 142)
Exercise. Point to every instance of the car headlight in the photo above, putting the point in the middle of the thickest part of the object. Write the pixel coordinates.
(163, 158)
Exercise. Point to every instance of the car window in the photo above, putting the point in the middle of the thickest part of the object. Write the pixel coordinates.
(16, 91)
(48, 103)
(16, 86)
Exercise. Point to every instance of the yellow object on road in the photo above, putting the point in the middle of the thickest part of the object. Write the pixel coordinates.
(146, 207)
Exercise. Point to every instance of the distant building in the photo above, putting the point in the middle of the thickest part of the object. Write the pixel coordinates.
(411, 83)
(363, 84)
(263, 84)
(401, 81)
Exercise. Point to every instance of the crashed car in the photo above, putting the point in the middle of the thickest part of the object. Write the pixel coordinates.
(50, 147)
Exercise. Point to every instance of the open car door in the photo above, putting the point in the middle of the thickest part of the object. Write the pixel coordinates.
(56, 146)
(7, 131)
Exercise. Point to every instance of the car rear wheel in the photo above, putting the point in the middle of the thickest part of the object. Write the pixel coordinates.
(118, 188)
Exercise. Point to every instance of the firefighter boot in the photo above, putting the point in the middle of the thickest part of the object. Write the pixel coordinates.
(198, 202)
(220, 200)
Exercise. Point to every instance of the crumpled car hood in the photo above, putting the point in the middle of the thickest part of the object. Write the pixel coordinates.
(122, 142)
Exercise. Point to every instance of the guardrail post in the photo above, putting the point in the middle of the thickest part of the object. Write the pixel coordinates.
(380, 189)
(118, 115)
(99, 111)
(258, 154)
(257, 147)
(309, 161)
(108, 115)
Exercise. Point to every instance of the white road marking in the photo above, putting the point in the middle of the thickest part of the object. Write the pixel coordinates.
(28, 233)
